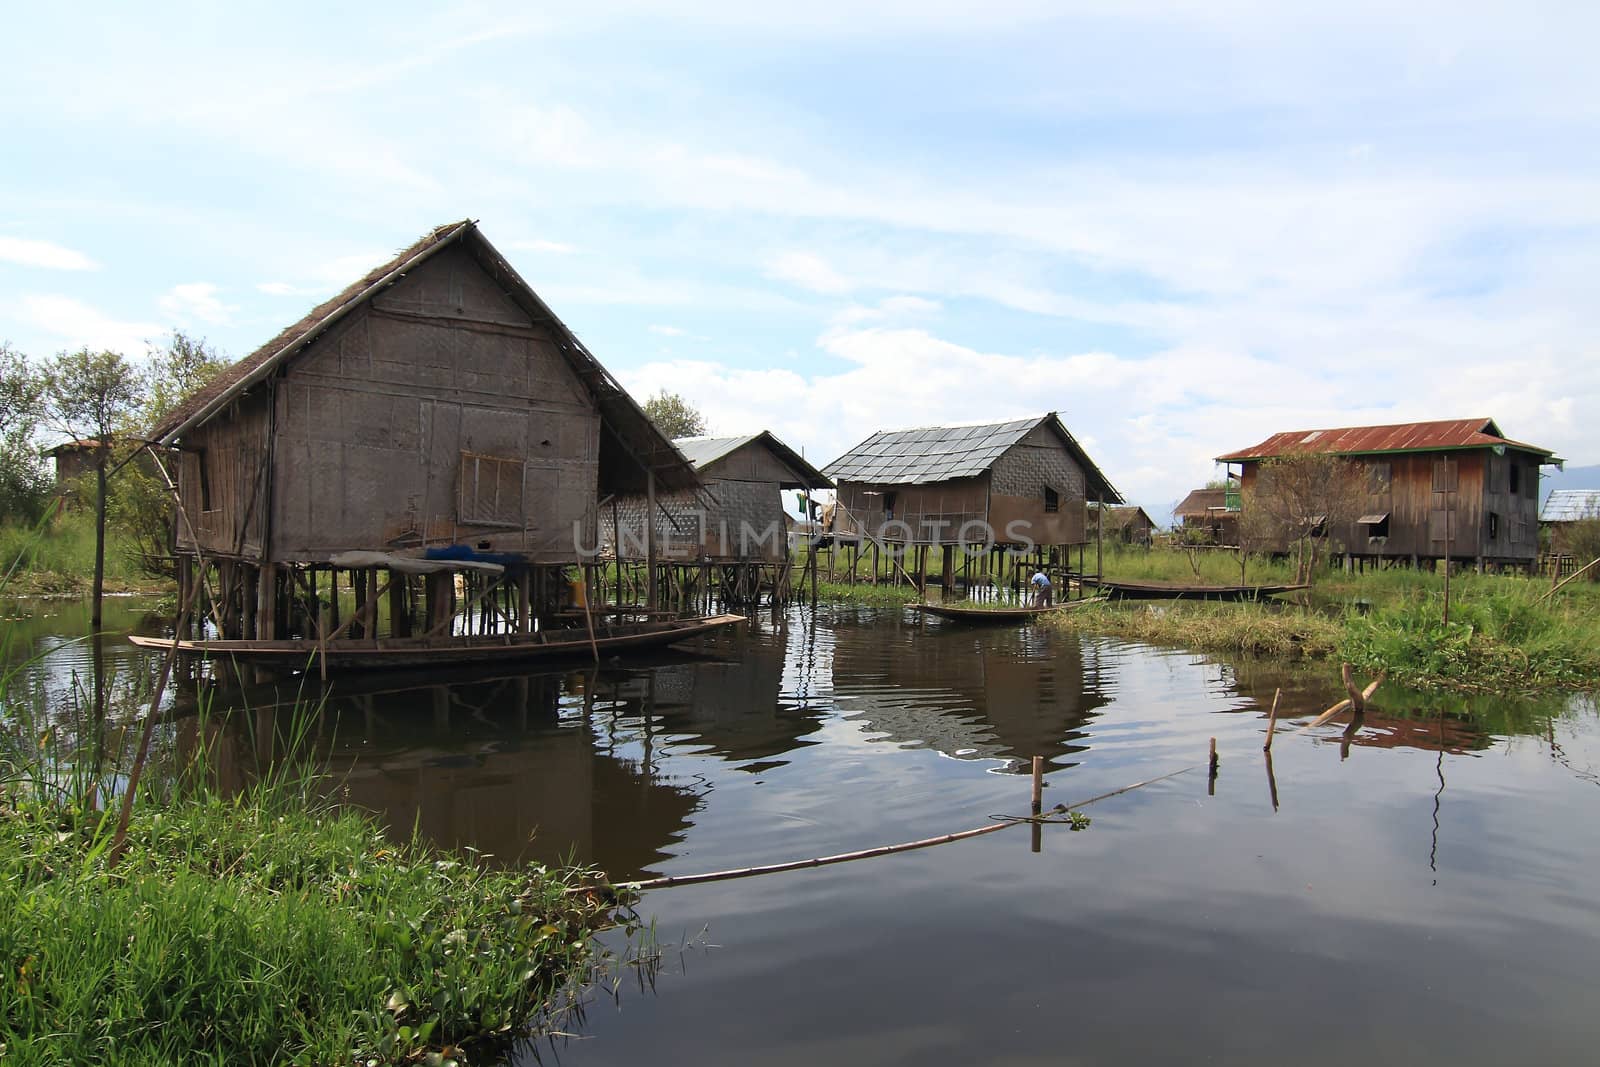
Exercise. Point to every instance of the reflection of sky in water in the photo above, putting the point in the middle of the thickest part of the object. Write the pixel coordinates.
(1422, 893)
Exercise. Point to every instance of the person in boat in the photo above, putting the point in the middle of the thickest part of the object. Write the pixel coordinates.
(1041, 589)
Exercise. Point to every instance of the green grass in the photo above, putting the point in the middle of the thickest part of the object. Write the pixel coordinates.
(866, 593)
(1500, 639)
(244, 932)
(267, 926)
(58, 556)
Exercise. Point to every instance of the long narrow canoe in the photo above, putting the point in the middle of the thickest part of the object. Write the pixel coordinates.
(399, 652)
(974, 613)
(1181, 591)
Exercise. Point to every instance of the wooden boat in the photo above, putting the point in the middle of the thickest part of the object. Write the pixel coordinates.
(1009, 613)
(400, 652)
(1181, 591)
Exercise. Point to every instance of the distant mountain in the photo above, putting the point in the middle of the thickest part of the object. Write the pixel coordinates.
(1571, 478)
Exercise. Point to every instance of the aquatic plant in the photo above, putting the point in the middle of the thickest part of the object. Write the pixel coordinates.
(266, 925)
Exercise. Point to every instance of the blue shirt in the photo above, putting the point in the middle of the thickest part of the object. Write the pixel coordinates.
(1041, 580)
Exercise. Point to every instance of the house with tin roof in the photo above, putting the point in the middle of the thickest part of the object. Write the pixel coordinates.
(1454, 489)
(737, 514)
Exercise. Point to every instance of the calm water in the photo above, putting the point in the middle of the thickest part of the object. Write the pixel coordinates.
(1419, 892)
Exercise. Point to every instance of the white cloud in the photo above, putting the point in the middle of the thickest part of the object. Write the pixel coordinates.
(808, 271)
(75, 324)
(43, 254)
(1155, 422)
(196, 301)
(668, 331)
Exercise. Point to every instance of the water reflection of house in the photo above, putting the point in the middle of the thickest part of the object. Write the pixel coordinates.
(974, 694)
(485, 764)
(736, 710)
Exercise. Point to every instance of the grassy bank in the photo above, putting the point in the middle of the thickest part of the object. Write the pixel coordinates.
(241, 933)
(264, 927)
(1500, 637)
(57, 558)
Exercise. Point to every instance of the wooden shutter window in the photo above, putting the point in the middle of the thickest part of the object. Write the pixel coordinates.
(490, 491)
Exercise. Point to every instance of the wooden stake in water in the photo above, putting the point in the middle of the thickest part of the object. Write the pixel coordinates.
(1211, 784)
(1038, 801)
(1272, 721)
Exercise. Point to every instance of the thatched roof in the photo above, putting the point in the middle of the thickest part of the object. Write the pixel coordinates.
(1200, 502)
(635, 437)
(940, 453)
(1122, 515)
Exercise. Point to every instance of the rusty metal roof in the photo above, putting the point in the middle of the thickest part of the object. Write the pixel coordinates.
(1444, 435)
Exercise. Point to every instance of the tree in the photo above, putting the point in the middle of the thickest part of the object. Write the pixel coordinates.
(141, 504)
(1580, 540)
(674, 416)
(24, 485)
(1297, 498)
(90, 396)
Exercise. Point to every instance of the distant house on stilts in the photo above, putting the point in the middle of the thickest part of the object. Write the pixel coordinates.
(733, 533)
(986, 492)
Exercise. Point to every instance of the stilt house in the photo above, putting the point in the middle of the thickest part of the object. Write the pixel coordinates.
(738, 516)
(1020, 484)
(435, 409)
(1456, 489)
(1208, 514)
(1123, 524)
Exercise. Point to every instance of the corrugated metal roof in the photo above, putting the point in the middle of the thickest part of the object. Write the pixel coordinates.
(702, 452)
(940, 453)
(1570, 505)
(1399, 437)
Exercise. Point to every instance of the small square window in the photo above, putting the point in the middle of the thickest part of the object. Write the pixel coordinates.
(1052, 500)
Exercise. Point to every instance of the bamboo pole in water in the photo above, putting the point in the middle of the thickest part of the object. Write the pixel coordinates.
(882, 850)
(1272, 720)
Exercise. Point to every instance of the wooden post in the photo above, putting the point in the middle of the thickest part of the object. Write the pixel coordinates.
(1037, 805)
(1447, 510)
(249, 586)
(1099, 538)
(333, 597)
(359, 579)
(650, 539)
(399, 615)
(1211, 785)
(267, 602)
(1272, 724)
(947, 574)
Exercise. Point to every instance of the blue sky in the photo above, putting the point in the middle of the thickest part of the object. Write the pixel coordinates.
(1183, 226)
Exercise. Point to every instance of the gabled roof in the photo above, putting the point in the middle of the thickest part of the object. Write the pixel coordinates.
(1120, 515)
(618, 412)
(703, 452)
(1443, 435)
(940, 453)
(1199, 502)
(1570, 505)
